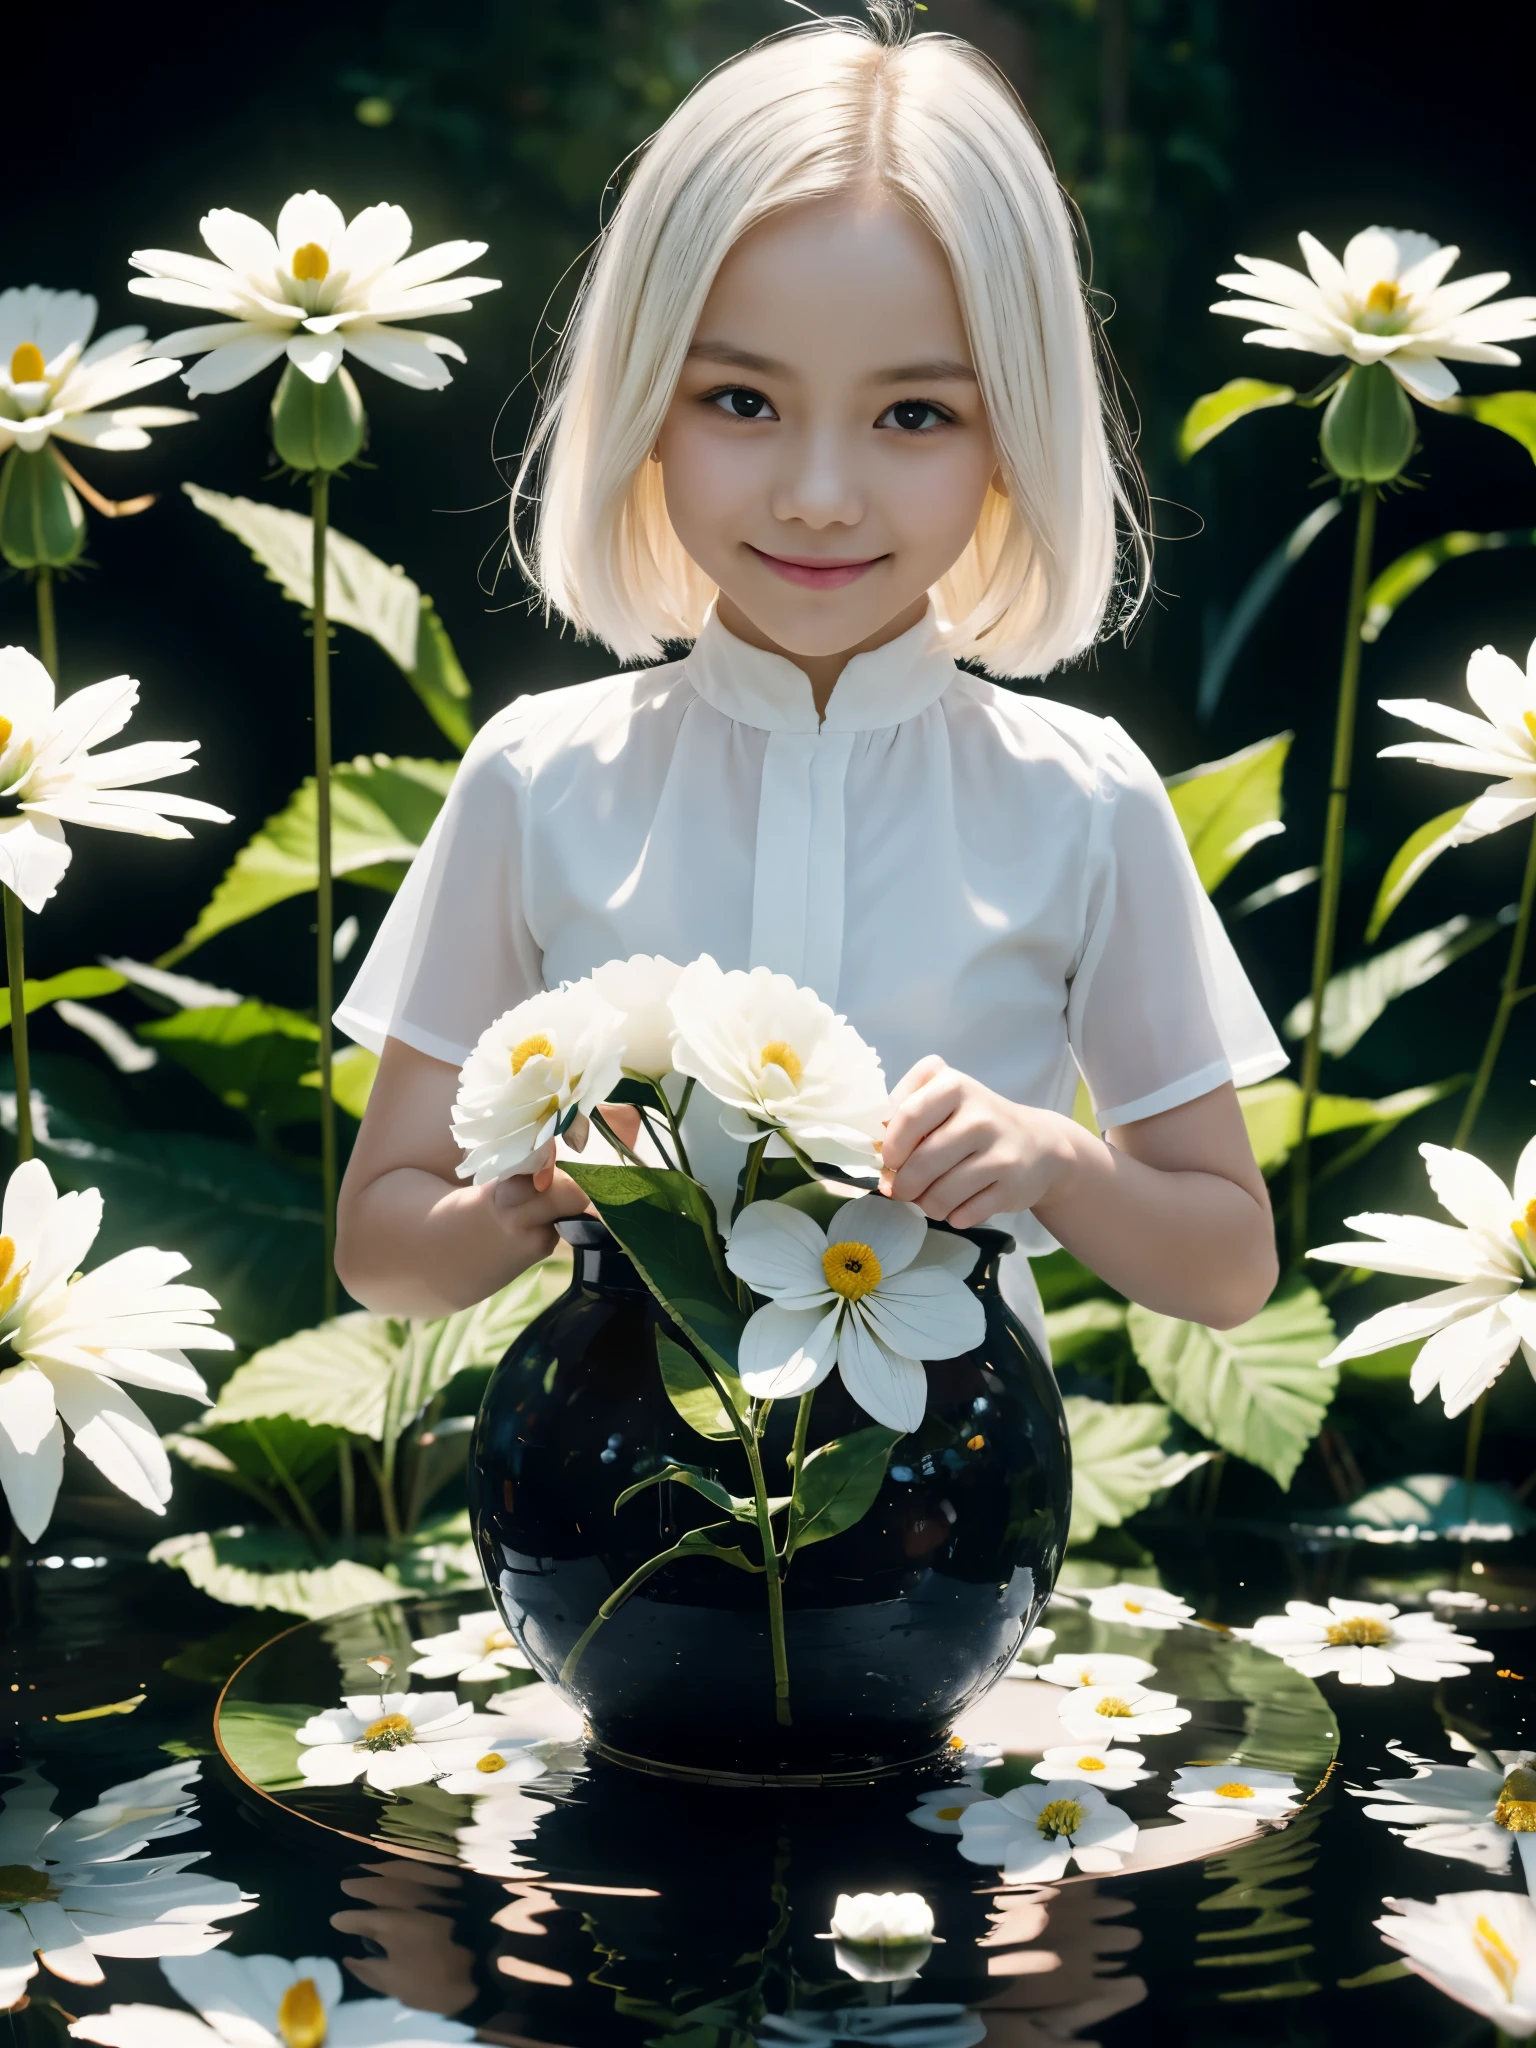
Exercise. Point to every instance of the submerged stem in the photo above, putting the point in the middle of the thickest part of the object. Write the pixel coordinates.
(325, 914)
(16, 970)
(773, 1564)
(1509, 995)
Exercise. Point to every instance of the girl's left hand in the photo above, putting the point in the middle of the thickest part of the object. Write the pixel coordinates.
(962, 1153)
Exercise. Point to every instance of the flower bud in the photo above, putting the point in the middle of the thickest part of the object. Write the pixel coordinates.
(42, 525)
(1369, 430)
(317, 426)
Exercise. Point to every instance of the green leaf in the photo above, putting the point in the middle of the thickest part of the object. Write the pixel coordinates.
(1272, 1113)
(381, 811)
(1353, 1000)
(253, 1057)
(1070, 1331)
(743, 1509)
(1415, 854)
(1254, 600)
(1218, 410)
(262, 1742)
(1400, 579)
(665, 1222)
(1511, 412)
(1226, 807)
(76, 984)
(837, 1485)
(1435, 1504)
(1259, 1390)
(255, 1450)
(360, 591)
(272, 1568)
(691, 1391)
(353, 1072)
(1118, 1461)
(433, 1353)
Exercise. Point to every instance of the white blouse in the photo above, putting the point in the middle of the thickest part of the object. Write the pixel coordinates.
(957, 868)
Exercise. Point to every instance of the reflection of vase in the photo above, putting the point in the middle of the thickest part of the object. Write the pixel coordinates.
(892, 1627)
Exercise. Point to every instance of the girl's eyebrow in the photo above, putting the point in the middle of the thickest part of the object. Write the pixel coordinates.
(933, 369)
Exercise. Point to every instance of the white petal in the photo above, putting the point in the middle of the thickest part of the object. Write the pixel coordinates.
(115, 1434)
(1409, 1321)
(925, 1314)
(889, 1389)
(309, 217)
(33, 857)
(30, 1480)
(244, 244)
(894, 1231)
(1472, 1192)
(1424, 376)
(223, 368)
(1465, 1359)
(413, 359)
(318, 356)
(785, 1351)
(27, 1409)
(777, 1249)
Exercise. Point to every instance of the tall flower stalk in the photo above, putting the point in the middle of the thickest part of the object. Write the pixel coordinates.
(1510, 993)
(325, 912)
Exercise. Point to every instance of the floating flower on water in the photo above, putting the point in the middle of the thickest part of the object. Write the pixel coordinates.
(70, 1893)
(1033, 1653)
(49, 778)
(1475, 1325)
(881, 1937)
(266, 2002)
(779, 1059)
(479, 1764)
(1097, 1669)
(479, 1648)
(875, 1293)
(1261, 1795)
(390, 1738)
(939, 1812)
(1386, 302)
(1035, 1831)
(1137, 1606)
(1109, 1767)
(1476, 1812)
(1477, 1947)
(1120, 1713)
(58, 384)
(502, 1819)
(1501, 743)
(1365, 1643)
(322, 286)
(534, 1071)
(640, 989)
(70, 1342)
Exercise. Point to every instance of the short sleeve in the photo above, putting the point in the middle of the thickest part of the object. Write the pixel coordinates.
(1160, 1011)
(454, 949)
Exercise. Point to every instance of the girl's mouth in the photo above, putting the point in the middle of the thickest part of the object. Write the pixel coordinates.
(816, 572)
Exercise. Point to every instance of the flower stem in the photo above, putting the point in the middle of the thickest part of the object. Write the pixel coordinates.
(1474, 1445)
(797, 1467)
(385, 1492)
(618, 1596)
(325, 914)
(16, 969)
(346, 1481)
(47, 626)
(675, 1124)
(615, 1140)
(1333, 857)
(1509, 995)
(773, 1564)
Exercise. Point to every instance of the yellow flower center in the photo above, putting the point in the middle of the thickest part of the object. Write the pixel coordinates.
(499, 1639)
(1383, 297)
(536, 1047)
(1529, 718)
(1091, 1763)
(390, 1731)
(10, 1283)
(851, 1268)
(1496, 1953)
(1063, 1817)
(311, 265)
(1115, 1709)
(1360, 1631)
(23, 1885)
(1516, 1809)
(301, 2016)
(27, 365)
(948, 1812)
(1234, 1791)
(777, 1054)
(1524, 1225)
(491, 1764)
(1134, 1607)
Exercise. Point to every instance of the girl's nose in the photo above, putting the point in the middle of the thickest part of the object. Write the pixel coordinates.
(817, 486)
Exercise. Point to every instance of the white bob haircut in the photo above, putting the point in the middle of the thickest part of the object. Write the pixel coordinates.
(827, 106)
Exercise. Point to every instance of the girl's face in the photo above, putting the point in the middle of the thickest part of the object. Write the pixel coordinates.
(826, 454)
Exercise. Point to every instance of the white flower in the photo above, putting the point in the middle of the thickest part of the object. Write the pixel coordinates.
(1033, 1832)
(1091, 1669)
(479, 1648)
(939, 1812)
(1261, 1795)
(1032, 1654)
(1475, 1812)
(875, 1293)
(1477, 1947)
(1501, 743)
(882, 1919)
(1111, 1768)
(55, 387)
(534, 1071)
(75, 1340)
(479, 1762)
(1137, 1606)
(504, 1818)
(1474, 1325)
(70, 1893)
(1120, 1713)
(780, 1060)
(322, 287)
(640, 989)
(266, 2002)
(391, 1738)
(1365, 1643)
(1384, 303)
(49, 778)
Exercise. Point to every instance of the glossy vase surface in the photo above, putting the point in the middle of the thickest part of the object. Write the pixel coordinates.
(892, 1628)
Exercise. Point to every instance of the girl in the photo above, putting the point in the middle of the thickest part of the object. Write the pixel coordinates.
(828, 410)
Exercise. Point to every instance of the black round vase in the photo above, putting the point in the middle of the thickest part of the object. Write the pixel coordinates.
(892, 1628)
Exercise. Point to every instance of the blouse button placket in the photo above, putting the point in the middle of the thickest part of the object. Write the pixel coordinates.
(798, 888)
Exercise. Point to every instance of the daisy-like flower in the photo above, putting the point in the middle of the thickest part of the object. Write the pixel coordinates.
(1138, 1606)
(266, 2002)
(1365, 1643)
(1120, 1713)
(49, 778)
(58, 384)
(323, 286)
(1474, 1325)
(391, 1739)
(78, 1889)
(875, 1293)
(939, 1811)
(535, 1071)
(1477, 1947)
(1501, 743)
(640, 989)
(479, 1648)
(1035, 1831)
(71, 1341)
(1261, 1795)
(1112, 1769)
(479, 1763)
(1097, 1669)
(779, 1059)
(1387, 302)
(1476, 1812)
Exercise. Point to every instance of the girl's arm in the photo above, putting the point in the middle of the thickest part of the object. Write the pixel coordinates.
(1171, 1210)
(412, 1239)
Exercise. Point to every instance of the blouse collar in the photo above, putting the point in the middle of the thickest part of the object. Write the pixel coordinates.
(881, 688)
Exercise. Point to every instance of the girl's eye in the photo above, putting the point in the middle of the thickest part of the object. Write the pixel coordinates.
(914, 416)
(740, 402)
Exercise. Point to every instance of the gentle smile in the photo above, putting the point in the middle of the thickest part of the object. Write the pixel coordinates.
(813, 572)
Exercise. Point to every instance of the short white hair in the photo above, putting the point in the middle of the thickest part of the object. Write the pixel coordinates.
(824, 107)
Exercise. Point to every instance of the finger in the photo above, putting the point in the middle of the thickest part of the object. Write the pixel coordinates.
(935, 1101)
(977, 1208)
(947, 1197)
(937, 1154)
(920, 1071)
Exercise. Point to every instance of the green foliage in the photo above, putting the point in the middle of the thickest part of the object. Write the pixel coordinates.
(1411, 571)
(837, 1485)
(1511, 412)
(1118, 1461)
(1416, 853)
(1353, 1000)
(42, 524)
(1218, 410)
(1434, 1504)
(1226, 807)
(740, 1507)
(275, 1568)
(76, 984)
(1072, 1331)
(1255, 599)
(1259, 1390)
(692, 1392)
(1368, 430)
(1272, 1113)
(253, 1056)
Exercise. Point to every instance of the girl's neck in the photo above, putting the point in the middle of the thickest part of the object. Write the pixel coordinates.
(822, 670)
